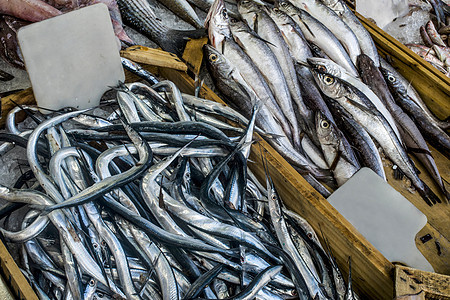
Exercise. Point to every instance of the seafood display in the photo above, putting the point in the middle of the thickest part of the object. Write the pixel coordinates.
(156, 201)
(330, 101)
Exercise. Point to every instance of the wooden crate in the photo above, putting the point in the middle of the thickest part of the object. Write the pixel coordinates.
(413, 284)
(373, 274)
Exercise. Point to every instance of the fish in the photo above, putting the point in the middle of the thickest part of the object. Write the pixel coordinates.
(376, 125)
(336, 25)
(414, 95)
(185, 11)
(33, 11)
(267, 63)
(434, 134)
(316, 33)
(140, 15)
(366, 43)
(360, 140)
(267, 29)
(411, 134)
(340, 157)
(434, 35)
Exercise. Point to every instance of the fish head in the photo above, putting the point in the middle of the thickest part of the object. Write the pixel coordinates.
(330, 85)
(326, 130)
(216, 61)
(325, 66)
(217, 22)
(392, 82)
(279, 16)
(249, 10)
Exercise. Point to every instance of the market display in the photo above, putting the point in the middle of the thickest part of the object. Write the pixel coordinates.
(177, 214)
(149, 196)
(258, 58)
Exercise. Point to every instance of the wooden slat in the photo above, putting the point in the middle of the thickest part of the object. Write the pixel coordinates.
(409, 281)
(154, 57)
(13, 276)
(372, 272)
(24, 97)
(193, 54)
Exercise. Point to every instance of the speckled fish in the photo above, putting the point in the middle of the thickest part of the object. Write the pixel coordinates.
(434, 35)
(140, 15)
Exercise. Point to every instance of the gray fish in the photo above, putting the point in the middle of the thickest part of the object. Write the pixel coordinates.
(316, 33)
(335, 24)
(376, 125)
(267, 29)
(340, 161)
(365, 148)
(365, 40)
(184, 10)
(140, 15)
(267, 63)
(412, 136)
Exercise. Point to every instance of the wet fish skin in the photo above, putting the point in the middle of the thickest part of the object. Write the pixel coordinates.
(340, 161)
(316, 33)
(358, 137)
(376, 125)
(411, 134)
(268, 65)
(140, 15)
(366, 42)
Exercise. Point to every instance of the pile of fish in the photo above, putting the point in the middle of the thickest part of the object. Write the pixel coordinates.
(156, 202)
(436, 48)
(329, 102)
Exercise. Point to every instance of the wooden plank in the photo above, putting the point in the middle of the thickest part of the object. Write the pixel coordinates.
(193, 54)
(435, 246)
(154, 57)
(372, 272)
(13, 276)
(409, 281)
(24, 97)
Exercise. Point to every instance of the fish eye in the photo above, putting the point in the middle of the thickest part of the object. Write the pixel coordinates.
(310, 235)
(322, 69)
(213, 57)
(276, 9)
(391, 78)
(224, 13)
(92, 282)
(329, 80)
(324, 124)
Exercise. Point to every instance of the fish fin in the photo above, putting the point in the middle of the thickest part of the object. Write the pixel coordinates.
(419, 151)
(428, 195)
(307, 27)
(336, 160)
(260, 38)
(239, 42)
(359, 106)
(179, 39)
(5, 76)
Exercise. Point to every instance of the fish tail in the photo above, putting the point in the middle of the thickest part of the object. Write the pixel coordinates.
(428, 195)
(179, 38)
